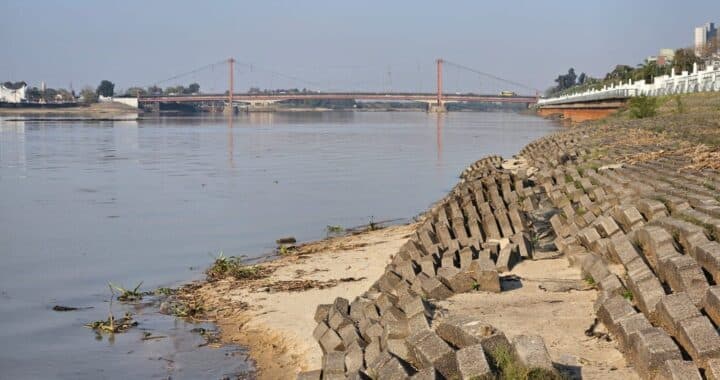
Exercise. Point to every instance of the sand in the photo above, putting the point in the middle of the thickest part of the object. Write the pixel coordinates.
(277, 327)
(560, 317)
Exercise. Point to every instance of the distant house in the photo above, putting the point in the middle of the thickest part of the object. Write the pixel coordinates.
(13, 93)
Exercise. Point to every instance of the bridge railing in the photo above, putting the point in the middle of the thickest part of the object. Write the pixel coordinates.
(707, 80)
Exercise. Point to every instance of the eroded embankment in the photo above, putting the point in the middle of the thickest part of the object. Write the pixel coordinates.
(507, 274)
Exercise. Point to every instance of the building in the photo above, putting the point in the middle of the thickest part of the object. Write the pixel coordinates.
(703, 35)
(664, 57)
(13, 95)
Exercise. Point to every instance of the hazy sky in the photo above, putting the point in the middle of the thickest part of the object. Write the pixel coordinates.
(334, 44)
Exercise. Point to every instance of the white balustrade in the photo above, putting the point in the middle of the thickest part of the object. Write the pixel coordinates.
(698, 81)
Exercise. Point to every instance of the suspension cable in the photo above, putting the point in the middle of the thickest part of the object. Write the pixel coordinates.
(490, 75)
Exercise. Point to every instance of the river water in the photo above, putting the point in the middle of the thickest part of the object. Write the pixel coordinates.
(153, 201)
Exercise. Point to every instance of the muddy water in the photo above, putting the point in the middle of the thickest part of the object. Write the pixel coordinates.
(87, 203)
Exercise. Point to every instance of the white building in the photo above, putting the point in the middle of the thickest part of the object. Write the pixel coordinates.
(703, 35)
(9, 95)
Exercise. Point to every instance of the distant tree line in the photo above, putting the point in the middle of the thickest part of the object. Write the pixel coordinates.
(570, 82)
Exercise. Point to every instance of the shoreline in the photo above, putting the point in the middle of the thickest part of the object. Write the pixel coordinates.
(251, 314)
(570, 228)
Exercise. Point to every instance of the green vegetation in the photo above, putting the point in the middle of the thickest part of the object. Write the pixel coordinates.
(590, 280)
(231, 266)
(88, 95)
(106, 88)
(510, 369)
(643, 106)
(334, 230)
(112, 325)
(185, 309)
(128, 295)
(570, 82)
(679, 106)
(627, 294)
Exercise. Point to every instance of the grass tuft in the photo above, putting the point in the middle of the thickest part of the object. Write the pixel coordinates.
(231, 266)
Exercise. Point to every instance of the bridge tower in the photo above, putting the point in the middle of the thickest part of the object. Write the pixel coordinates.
(230, 108)
(439, 106)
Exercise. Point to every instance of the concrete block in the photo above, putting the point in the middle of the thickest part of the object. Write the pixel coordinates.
(646, 290)
(321, 313)
(472, 363)
(330, 341)
(485, 275)
(650, 348)
(621, 250)
(354, 359)
(426, 374)
(320, 330)
(531, 352)
(612, 311)
(712, 369)
(711, 303)
(683, 274)
(679, 370)
(507, 258)
(606, 226)
(674, 308)
(699, 338)
(433, 288)
(431, 351)
(310, 375)
(627, 326)
(334, 363)
(456, 280)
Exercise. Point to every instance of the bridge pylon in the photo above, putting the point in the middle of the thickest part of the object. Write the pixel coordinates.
(439, 106)
(230, 107)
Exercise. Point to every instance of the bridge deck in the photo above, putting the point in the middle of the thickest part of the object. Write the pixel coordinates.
(418, 97)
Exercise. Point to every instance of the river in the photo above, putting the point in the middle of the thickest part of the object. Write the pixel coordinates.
(153, 201)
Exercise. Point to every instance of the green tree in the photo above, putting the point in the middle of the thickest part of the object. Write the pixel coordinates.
(135, 91)
(193, 88)
(684, 60)
(88, 95)
(154, 90)
(106, 88)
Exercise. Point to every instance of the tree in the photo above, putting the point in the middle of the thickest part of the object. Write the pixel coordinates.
(88, 95)
(194, 88)
(684, 60)
(581, 78)
(106, 88)
(135, 91)
(154, 90)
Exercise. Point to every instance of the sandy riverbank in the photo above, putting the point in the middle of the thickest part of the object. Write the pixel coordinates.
(277, 326)
(98, 111)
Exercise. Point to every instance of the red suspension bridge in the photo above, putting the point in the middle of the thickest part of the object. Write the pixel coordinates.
(435, 101)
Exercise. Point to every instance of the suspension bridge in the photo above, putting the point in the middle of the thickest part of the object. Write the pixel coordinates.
(263, 100)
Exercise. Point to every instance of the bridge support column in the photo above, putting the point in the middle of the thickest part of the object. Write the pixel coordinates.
(229, 109)
(436, 108)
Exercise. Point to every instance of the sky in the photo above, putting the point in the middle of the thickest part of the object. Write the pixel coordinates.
(334, 44)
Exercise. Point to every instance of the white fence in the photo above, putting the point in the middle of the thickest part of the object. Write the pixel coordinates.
(698, 81)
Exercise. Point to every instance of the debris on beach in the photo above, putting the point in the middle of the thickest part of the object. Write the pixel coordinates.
(113, 325)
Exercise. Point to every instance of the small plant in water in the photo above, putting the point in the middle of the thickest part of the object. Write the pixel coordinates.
(231, 266)
(127, 295)
(112, 325)
(335, 230)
